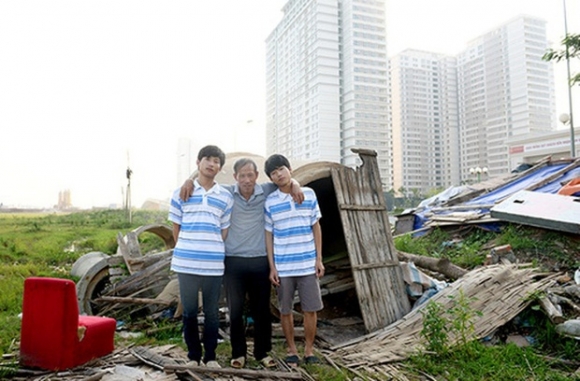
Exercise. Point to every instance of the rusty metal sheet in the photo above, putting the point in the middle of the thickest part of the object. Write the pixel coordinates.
(544, 210)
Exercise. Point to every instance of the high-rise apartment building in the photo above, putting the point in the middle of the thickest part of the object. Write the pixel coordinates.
(425, 123)
(327, 82)
(505, 90)
(451, 115)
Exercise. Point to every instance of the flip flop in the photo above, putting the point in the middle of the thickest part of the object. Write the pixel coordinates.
(311, 360)
(268, 362)
(238, 363)
(292, 360)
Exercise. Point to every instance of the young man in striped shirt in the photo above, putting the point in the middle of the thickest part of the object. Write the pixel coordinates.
(200, 226)
(294, 248)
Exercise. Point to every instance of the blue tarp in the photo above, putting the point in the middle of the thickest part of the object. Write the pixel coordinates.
(505, 191)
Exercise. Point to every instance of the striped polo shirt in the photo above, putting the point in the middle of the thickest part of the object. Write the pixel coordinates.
(200, 249)
(291, 227)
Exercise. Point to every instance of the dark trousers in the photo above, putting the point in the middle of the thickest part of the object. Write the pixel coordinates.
(189, 286)
(249, 276)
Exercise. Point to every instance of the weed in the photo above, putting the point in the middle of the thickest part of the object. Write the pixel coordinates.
(463, 316)
(435, 328)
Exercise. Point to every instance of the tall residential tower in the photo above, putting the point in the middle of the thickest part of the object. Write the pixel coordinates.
(424, 120)
(327, 82)
(451, 115)
(505, 90)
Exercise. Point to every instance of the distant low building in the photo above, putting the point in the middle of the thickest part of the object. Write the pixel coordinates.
(152, 204)
(64, 200)
(531, 148)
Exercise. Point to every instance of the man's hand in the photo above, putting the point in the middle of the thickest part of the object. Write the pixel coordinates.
(296, 192)
(186, 190)
(319, 269)
(274, 278)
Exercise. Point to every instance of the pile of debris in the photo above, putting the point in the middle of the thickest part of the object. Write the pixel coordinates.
(517, 197)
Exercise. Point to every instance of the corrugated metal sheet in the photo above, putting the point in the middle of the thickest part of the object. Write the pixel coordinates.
(545, 210)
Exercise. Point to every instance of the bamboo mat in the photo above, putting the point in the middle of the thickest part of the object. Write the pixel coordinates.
(500, 292)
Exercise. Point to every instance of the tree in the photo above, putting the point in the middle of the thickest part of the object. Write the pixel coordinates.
(571, 44)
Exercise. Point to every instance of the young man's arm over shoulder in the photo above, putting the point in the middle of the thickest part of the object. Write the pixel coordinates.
(186, 189)
(296, 192)
(317, 232)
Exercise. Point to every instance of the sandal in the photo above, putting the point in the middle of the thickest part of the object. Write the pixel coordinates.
(292, 361)
(238, 363)
(311, 360)
(268, 362)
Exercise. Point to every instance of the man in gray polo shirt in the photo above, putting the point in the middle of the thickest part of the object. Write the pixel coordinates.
(246, 264)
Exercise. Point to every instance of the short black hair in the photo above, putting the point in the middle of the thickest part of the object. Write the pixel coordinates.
(274, 162)
(212, 151)
(242, 162)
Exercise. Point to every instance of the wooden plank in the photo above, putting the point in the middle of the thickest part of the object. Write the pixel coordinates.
(380, 289)
(257, 374)
(362, 207)
(554, 176)
(129, 248)
(120, 299)
(367, 266)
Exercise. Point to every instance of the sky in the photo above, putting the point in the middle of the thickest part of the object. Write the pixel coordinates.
(88, 88)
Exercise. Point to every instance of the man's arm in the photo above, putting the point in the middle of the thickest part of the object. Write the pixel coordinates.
(176, 229)
(296, 191)
(186, 189)
(270, 252)
(317, 232)
(225, 234)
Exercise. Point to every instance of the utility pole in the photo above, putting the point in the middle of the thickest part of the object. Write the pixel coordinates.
(572, 137)
(128, 193)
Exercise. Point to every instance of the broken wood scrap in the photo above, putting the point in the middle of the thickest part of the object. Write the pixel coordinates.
(461, 207)
(120, 299)
(258, 374)
(441, 265)
(554, 176)
(149, 259)
(119, 307)
(338, 286)
(151, 358)
(553, 311)
(458, 218)
(137, 281)
(128, 247)
(559, 299)
(96, 377)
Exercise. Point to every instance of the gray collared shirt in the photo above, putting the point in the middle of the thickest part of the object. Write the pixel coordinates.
(246, 237)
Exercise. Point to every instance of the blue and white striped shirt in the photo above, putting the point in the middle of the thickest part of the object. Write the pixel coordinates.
(291, 226)
(200, 248)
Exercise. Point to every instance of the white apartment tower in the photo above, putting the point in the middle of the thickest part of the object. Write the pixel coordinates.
(505, 90)
(327, 82)
(425, 121)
